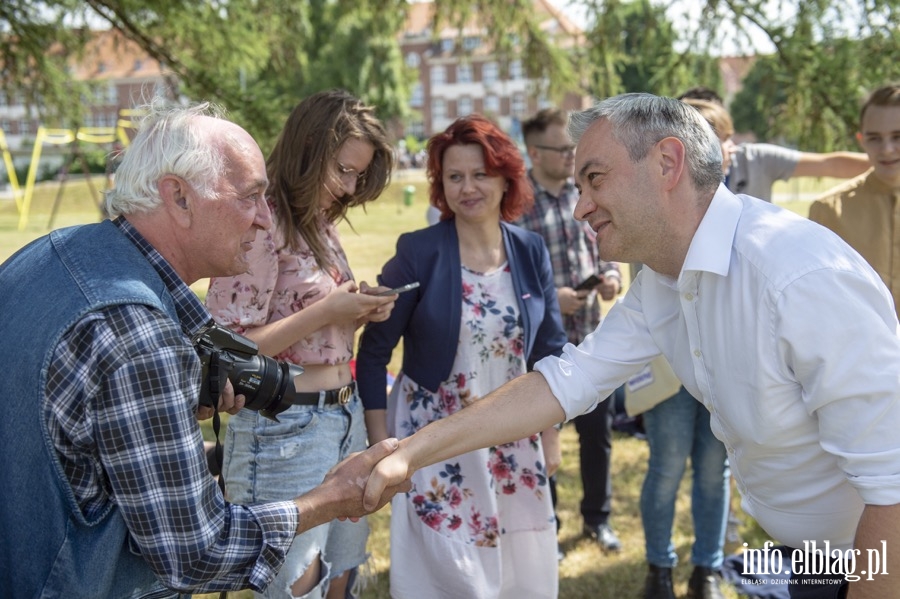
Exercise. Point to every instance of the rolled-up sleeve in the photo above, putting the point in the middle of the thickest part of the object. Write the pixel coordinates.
(587, 373)
(854, 397)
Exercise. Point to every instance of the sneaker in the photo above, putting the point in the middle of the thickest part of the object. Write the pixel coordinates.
(604, 536)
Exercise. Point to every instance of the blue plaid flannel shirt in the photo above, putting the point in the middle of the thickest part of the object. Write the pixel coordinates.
(121, 402)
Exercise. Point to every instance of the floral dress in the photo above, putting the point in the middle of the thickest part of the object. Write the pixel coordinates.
(479, 525)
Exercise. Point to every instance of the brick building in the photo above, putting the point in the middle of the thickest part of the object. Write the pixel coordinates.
(121, 75)
(459, 75)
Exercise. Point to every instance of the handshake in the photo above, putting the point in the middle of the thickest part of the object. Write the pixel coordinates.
(359, 485)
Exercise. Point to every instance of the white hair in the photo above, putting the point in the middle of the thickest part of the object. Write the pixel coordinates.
(169, 142)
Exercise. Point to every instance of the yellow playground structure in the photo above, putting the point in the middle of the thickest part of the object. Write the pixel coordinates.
(63, 137)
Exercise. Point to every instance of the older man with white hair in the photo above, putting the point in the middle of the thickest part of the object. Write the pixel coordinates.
(107, 489)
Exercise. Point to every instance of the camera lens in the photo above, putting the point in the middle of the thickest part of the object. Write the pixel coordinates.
(265, 383)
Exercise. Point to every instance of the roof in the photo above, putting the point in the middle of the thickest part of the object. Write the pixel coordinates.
(420, 18)
(110, 55)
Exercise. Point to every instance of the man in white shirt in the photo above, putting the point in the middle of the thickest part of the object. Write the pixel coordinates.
(777, 326)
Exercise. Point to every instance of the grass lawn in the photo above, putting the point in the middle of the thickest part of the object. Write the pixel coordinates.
(585, 572)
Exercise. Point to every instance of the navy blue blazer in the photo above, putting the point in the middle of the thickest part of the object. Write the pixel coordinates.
(428, 318)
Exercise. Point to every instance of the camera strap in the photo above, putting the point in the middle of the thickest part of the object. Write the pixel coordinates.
(215, 390)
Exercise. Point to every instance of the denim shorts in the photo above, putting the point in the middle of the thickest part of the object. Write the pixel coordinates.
(275, 461)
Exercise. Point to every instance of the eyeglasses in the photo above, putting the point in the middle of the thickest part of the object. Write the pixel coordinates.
(563, 150)
(348, 175)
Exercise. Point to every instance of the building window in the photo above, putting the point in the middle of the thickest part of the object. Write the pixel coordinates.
(447, 45)
(464, 106)
(515, 70)
(438, 75)
(489, 72)
(418, 96)
(464, 73)
(416, 129)
(492, 103)
(413, 60)
(438, 108)
(106, 94)
(471, 42)
(519, 104)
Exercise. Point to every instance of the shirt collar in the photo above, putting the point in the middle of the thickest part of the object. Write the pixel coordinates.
(875, 185)
(539, 189)
(192, 314)
(710, 248)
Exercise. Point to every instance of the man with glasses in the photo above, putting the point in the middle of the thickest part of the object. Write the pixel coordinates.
(574, 256)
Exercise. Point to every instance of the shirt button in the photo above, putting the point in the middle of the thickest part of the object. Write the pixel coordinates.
(697, 352)
(689, 296)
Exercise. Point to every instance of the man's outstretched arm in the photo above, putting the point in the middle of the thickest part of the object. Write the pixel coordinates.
(518, 409)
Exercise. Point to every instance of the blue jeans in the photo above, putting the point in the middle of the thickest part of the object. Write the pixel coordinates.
(678, 428)
(275, 461)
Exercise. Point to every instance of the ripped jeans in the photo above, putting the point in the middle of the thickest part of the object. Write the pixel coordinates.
(275, 461)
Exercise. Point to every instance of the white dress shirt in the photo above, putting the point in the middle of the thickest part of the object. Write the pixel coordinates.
(789, 338)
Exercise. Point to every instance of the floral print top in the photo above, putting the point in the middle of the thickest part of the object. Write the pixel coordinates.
(279, 283)
(477, 497)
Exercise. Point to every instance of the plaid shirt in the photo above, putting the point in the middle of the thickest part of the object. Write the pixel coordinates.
(121, 402)
(573, 251)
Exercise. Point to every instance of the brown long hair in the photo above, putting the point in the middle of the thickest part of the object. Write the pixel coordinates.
(302, 161)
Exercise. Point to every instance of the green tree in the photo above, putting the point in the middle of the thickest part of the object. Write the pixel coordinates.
(259, 57)
(633, 49)
(827, 56)
(755, 109)
(33, 59)
(814, 106)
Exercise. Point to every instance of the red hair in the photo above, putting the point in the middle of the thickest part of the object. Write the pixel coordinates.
(501, 158)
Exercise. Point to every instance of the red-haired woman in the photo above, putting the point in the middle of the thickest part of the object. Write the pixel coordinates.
(480, 525)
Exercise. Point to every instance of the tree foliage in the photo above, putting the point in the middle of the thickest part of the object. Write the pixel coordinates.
(34, 49)
(828, 55)
(258, 58)
(633, 49)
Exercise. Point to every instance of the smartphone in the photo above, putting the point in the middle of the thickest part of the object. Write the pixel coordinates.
(589, 283)
(407, 287)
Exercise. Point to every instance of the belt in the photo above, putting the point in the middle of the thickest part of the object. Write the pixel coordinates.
(340, 396)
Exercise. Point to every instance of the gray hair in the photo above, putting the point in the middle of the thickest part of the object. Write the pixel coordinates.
(169, 142)
(640, 121)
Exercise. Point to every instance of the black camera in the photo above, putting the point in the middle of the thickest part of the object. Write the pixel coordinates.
(267, 384)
